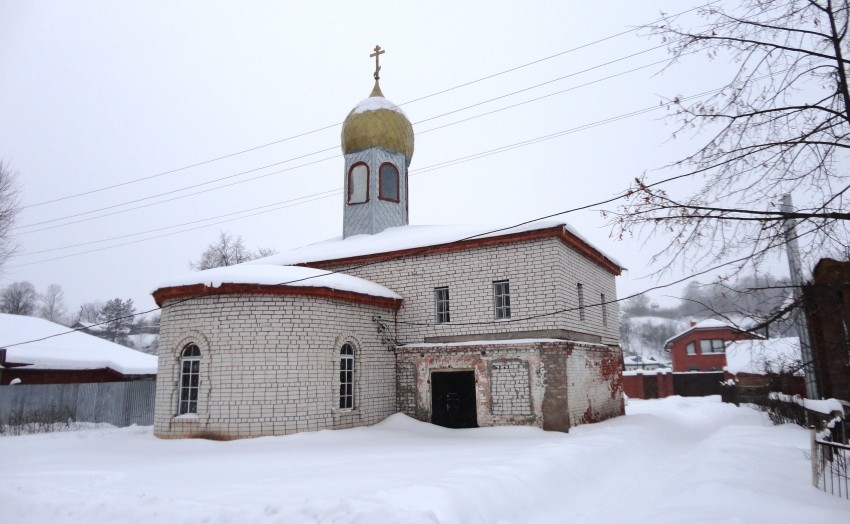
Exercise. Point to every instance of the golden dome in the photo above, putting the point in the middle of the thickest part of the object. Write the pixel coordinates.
(377, 122)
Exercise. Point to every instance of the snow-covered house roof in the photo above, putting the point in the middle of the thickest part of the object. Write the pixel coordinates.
(405, 238)
(760, 356)
(74, 350)
(708, 323)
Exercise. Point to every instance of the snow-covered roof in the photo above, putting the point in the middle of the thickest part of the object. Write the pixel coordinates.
(406, 237)
(708, 323)
(75, 350)
(272, 275)
(760, 356)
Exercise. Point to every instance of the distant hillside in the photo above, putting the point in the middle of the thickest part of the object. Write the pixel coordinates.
(645, 335)
(753, 301)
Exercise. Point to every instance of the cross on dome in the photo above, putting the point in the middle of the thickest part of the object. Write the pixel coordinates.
(377, 54)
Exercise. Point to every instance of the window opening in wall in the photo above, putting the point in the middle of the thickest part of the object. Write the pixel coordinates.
(388, 183)
(691, 348)
(502, 299)
(358, 183)
(714, 345)
(346, 377)
(441, 298)
(604, 306)
(580, 294)
(190, 379)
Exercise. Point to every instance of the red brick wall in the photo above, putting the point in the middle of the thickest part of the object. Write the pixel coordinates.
(710, 362)
(636, 385)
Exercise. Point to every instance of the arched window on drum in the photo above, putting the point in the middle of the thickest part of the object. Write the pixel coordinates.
(388, 182)
(190, 379)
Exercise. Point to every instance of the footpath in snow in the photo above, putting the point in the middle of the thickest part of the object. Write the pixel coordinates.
(675, 460)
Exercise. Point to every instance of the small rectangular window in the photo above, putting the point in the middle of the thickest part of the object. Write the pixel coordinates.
(441, 299)
(502, 299)
(580, 294)
(692, 349)
(604, 306)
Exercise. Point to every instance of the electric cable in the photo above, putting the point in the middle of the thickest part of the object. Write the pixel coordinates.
(306, 133)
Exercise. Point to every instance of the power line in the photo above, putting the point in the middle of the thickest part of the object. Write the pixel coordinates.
(306, 133)
(241, 173)
(424, 250)
(328, 194)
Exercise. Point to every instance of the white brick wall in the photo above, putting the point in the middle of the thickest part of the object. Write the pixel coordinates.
(543, 275)
(269, 365)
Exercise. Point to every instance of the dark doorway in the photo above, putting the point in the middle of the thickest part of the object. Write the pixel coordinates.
(453, 399)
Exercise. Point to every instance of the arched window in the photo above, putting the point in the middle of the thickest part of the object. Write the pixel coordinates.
(388, 183)
(190, 379)
(358, 183)
(346, 377)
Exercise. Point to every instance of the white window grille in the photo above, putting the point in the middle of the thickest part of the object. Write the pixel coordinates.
(502, 299)
(346, 377)
(190, 379)
(441, 299)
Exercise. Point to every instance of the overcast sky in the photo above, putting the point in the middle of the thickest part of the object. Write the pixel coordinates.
(100, 94)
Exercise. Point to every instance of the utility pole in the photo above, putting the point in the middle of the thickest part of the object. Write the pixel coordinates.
(797, 314)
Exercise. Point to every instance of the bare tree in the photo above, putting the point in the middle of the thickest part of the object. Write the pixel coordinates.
(8, 211)
(227, 251)
(90, 311)
(53, 304)
(779, 125)
(18, 298)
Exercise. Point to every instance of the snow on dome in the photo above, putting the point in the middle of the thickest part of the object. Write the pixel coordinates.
(68, 350)
(405, 237)
(377, 122)
(373, 103)
(269, 274)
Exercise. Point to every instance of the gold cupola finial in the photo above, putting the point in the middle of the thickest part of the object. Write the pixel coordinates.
(377, 122)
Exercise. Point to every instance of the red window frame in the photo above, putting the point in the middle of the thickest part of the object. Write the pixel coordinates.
(350, 170)
(397, 183)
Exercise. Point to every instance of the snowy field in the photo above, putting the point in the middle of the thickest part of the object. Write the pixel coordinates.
(668, 461)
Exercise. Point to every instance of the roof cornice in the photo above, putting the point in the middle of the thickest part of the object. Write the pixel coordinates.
(201, 290)
(559, 232)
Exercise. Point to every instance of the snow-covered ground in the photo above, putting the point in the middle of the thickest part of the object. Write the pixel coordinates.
(673, 460)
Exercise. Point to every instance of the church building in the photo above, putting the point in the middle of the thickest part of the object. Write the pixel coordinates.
(458, 326)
